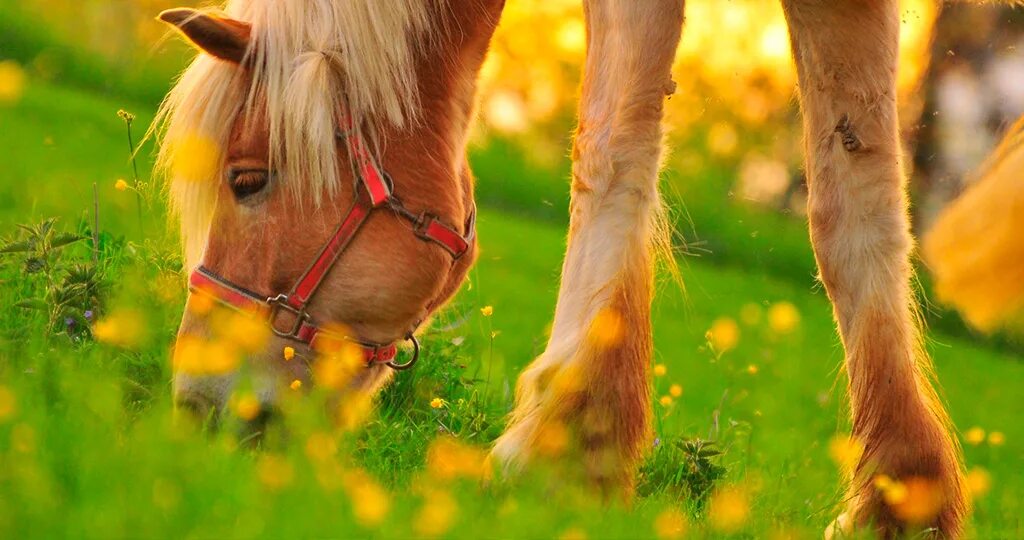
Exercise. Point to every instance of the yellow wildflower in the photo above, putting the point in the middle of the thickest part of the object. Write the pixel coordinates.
(275, 472)
(125, 329)
(979, 481)
(200, 303)
(247, 407)
(320, 446)
(974, 436)
(553, 439)
(195, 158)
(448, 459)
(752, 369)
(437, 403)
(370, 501)
(675, 390)
(121, 184)
(845, 451)
(8, 405)
(607, 328)
(724, 334)
(573, 533)
(437, 515)
(247, 331)
(353, 410)
(729, 509)
(23, 438)
(660, 370)
(487, 311)
(921, 502)
(296, 384)
(289, 353)
(12, 82)
(197, 356)
(783, 317)
(996, 438)
(666, 401)
(670, 524)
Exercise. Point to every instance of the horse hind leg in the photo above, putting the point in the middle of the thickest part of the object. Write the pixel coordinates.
(846, 53)
(588, 392)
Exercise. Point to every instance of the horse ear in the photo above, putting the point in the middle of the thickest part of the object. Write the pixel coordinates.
(224, 38)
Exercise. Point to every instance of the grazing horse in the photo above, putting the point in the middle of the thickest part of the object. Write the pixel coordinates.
(318, 155)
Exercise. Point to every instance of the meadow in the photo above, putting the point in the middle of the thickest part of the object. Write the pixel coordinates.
(748, 386)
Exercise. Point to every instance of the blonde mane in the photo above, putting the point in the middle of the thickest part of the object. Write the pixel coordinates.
(308, 56)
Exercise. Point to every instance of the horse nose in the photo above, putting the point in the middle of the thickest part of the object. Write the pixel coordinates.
(201, 398)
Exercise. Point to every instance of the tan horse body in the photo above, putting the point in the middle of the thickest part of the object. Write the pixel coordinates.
(593, 389)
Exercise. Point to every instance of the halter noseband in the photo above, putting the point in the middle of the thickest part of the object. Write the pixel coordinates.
(379, 194)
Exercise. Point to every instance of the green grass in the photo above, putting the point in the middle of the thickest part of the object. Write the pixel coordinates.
(91, 448)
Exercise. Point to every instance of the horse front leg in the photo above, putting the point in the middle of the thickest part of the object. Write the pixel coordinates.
(846, 53)
(588, 393)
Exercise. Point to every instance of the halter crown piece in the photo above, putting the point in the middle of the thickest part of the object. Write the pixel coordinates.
(377, 193)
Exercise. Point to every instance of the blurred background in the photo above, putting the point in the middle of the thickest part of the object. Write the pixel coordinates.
(734, 176)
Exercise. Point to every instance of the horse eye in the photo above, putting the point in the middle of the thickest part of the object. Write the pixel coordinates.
(247, 182)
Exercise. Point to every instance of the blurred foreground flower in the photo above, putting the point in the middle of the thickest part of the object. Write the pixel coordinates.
(437, 403)
(916, 500)
(974, 436)
(783, 317)
(12, 82)
(846, 451)
(275, 471)
(670, 524)
(607, 329)
(121, 184)
(247, 407)
(199, 356)
(975, 250)
(123, 328)
(195, 158)
(437, 514)
(487, 311)
(724, 334)
(8, 405)
(996, 438)
(448, 459)
(370, 502)
(729, 509)
(660, 370)
(979, 481)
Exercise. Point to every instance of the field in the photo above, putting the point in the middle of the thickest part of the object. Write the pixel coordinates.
(89, 446)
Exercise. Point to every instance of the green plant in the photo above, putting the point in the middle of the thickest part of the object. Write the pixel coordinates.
(685, 468)
(67, 291)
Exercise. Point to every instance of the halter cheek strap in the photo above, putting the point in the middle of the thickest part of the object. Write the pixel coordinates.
(379, 191)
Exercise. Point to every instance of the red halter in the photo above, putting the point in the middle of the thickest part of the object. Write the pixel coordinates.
(379, 195)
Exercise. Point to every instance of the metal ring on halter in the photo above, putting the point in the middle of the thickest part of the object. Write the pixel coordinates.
(415, 355)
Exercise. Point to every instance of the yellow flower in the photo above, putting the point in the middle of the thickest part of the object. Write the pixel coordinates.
(353, 410)
(666, 401)
(670, 524)
(675, 390)
(846, 452)
(289, 353)
(320, 446)
(120, 185)
(487, 311)
(660, 370)
(12, 82)
(195, 158)
(437, 515)
(752, 369)
(247, 407)
(920, 503)
(448, 459)
(437, 403)
(783, 317)
(370, 501)
(125, 329)
(729, 509)
(724, 334)
(8, 405)
(979, 481)
(296, 384)
(274, 472)
(573, 533)
(197, 356)
(607, 328)
(975, 436)
(996, 438)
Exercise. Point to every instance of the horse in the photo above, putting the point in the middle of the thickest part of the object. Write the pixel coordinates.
(317, 155)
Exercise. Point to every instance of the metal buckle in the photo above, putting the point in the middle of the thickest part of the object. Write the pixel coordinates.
(422, 222)
(278, 304)
(415, 356)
